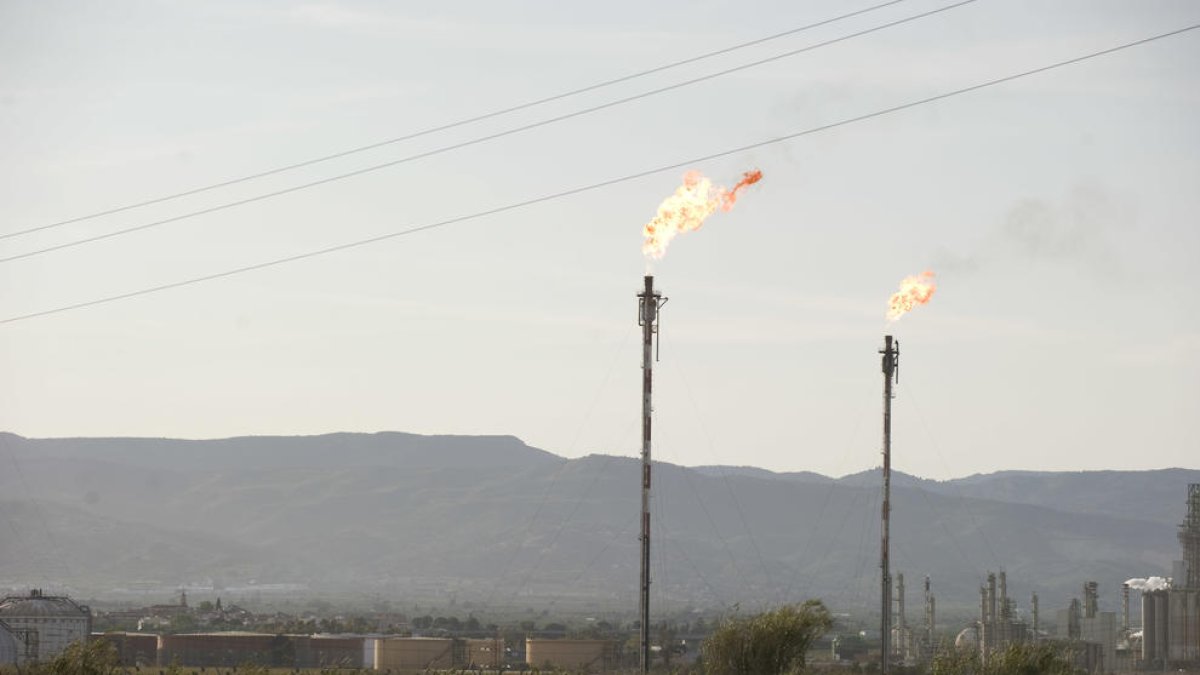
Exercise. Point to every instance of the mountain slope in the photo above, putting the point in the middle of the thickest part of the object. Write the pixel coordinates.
(502, 522)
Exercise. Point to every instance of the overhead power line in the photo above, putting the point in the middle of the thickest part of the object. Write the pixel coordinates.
(452, 125)
(478, 140)
(602, 184)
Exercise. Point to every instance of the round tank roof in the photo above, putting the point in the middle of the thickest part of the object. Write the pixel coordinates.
(967, 639)
(38, 605)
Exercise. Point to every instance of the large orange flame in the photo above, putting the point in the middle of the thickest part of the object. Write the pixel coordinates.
(687, 209)
(916, 290)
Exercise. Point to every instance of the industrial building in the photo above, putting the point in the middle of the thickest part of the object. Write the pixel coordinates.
(998, 625)
(45, 624)
(582, 655)
(1092, 636)
(1105, 642)
(1171, 608)
(909, 644)
(1100, 645)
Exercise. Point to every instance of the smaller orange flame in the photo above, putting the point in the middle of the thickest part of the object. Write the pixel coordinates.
(913, 291)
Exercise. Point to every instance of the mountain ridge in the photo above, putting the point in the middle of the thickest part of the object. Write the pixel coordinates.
(405, 514)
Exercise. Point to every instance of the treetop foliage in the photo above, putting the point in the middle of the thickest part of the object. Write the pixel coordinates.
(771, 643)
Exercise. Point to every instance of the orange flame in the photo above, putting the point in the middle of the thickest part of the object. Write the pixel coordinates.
(687, 209)
(913, 291)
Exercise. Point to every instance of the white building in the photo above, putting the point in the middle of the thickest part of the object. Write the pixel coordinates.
(48, 623)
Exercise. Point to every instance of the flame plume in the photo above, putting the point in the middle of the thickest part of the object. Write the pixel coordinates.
(915, 290)
(687, 209)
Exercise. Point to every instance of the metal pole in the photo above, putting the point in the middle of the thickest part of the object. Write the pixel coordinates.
(930, 619)
(902, 623)
(1033, 600)
(891, 362)
(648, 306)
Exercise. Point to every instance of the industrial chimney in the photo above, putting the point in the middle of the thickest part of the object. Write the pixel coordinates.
(891, 371)
(649, 303)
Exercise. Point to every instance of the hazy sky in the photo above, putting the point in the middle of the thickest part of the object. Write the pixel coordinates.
(1059, 211)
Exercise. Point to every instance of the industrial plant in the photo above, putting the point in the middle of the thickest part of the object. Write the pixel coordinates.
(1100, 641)
(1170, 632)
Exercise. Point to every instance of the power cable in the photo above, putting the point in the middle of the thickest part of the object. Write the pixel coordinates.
(452, 125)
(474, 141)
(687, 474)
(660, 583)
(601, 184)
(833, 484)
(619, 347)
(737, 505)
(57, 551)
(962, 498)
(618, 533)
(561, 527)
(873, 505)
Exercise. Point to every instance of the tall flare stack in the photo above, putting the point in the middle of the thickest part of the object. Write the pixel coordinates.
(649, 303)
(891, 371)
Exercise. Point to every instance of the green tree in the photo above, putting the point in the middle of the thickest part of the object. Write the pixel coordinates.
(95, 657)
(1017, 659)
(771, 643)
(666, 640)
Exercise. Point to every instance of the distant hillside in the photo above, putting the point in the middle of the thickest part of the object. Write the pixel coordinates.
(1158, 495)
(75, 544)
(493, 519)
(253, 452)
(1147, 495)
(755, 472)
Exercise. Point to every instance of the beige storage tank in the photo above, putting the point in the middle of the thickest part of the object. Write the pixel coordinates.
(414, 653)
(586, 655)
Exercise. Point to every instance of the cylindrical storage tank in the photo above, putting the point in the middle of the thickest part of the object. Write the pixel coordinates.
(368, 655)
(415, 653)
(1149, 628)
(329, 651)
(574, 655)
(1162, 619)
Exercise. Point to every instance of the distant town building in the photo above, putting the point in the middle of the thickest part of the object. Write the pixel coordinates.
(49, 623)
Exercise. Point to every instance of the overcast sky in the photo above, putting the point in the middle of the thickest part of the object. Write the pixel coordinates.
(1060, 213)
